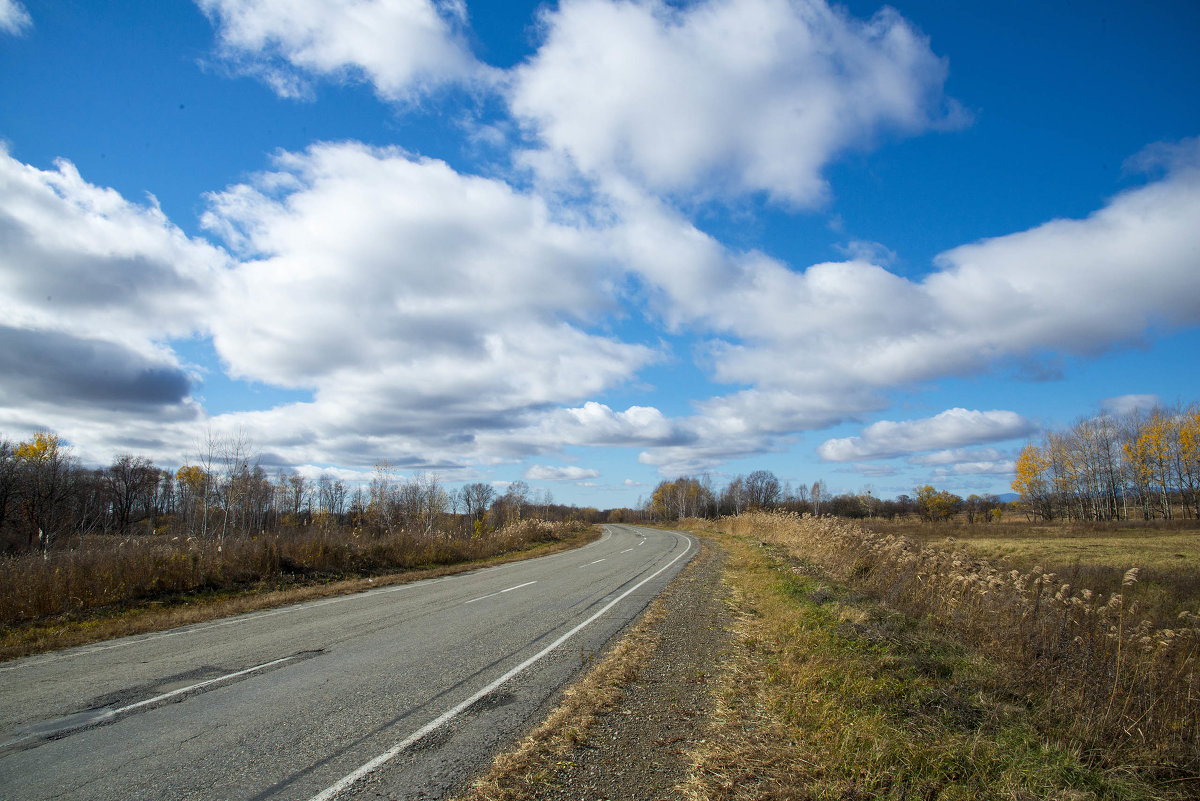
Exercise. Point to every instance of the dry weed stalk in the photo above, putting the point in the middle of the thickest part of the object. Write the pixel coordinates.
(108, 570)
(1112, 683)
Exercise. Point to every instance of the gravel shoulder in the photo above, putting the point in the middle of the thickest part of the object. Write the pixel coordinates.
(625, 731)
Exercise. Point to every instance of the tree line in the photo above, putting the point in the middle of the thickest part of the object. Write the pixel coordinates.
(1140, 465)
(47, 497)
(761, 490)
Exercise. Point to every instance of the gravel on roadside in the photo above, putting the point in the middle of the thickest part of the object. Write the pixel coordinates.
(626, 729)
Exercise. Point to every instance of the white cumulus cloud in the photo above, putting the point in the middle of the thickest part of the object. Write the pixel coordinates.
(827, 343)
(431, 312)
(723, 96)
(402, 47)
(542, 472)
(92, 286)
(1001, 467)
(951, 429)
(952, 456)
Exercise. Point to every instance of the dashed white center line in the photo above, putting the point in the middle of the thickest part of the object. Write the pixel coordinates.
(627, 550)
(494, 594)
(589, 564)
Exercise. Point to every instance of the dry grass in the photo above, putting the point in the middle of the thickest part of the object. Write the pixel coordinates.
(831, 695)
(1095, 556)
(517, 775)
(1119, 689)
(112, 588)
(1116, 545)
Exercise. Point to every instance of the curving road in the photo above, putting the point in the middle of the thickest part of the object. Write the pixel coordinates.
(400, 692)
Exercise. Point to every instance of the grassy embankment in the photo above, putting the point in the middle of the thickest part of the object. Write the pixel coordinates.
(875, 666)
(110, 587)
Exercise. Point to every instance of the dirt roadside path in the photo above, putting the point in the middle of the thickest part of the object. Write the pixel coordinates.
(626, 729)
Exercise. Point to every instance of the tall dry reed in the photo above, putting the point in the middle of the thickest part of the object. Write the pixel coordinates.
(1118, 686)
(103, 571)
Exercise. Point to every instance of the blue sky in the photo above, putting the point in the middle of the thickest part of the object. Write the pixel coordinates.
(594, 244)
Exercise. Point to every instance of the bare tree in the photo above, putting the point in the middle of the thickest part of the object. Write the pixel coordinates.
(544, 500)
(127, 480)
(8, 480)
(45, 467)
(331, 494)
(516, 498)
(381, 507)
(299, 493)
(818, 496)
(477, 499)
(762, 489)
(734, 496)
(423, 502)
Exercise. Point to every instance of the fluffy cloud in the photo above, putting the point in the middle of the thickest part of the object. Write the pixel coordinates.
(541, 472)
(81, 259)
(954, 462)
(595, 424)
(444, 320)
(425, 310)
(14, 18)
(950, 429)
(93, 285)
(875, 470)
(402, 47)
(426, 307)
(1080, 285)
(748, 423)
(73, 370)
(731, 96)
(828, 342)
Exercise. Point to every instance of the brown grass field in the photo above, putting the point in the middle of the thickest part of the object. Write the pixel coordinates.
(1094, 555)
(927, 661)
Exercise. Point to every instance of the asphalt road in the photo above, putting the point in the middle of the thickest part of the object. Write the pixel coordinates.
(400, 692)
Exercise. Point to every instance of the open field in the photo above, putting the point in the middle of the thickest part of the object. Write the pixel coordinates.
(830, 694)
(1094, 556)
(1159, 545)
(1105, 692)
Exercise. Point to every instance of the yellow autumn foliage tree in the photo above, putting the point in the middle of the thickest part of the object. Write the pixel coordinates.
(1031, 482)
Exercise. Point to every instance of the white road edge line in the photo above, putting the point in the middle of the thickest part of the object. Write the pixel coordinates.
(501, 592)
(333, 790)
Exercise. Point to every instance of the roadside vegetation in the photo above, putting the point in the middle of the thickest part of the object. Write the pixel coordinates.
(871, 665)
(94, 553)
(1092, 555)
(114, 587)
